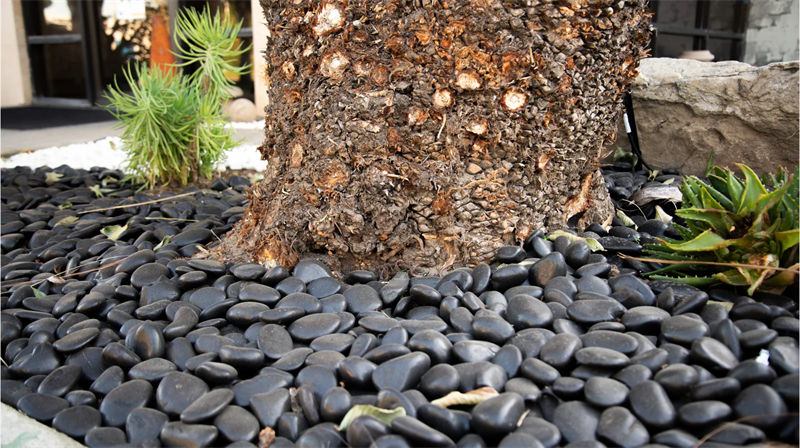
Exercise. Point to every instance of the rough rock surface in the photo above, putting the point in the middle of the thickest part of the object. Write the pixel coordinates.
(685, 109)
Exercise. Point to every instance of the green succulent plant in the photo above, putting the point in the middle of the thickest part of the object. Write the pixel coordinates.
(173, 126)
(742, 232)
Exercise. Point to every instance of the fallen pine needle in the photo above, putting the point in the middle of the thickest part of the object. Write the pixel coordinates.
(712, 263)
(138, 203)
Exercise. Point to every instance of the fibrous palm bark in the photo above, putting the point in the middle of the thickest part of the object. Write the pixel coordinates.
(424, 133)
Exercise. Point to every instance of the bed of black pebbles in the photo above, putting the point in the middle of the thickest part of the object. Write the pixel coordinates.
(143, 346)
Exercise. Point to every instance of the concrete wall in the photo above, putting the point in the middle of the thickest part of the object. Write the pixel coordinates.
(773, 32)
(15, 84)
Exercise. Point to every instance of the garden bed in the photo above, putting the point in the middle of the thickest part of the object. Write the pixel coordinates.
(113, 334)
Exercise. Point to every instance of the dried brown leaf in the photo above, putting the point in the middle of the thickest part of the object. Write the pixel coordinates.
(472, 397)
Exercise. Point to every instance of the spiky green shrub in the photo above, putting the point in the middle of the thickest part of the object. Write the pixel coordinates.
(173, 125)
(737, 231)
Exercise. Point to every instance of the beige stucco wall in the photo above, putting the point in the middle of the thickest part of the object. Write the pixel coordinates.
(259, 65)
(15, 84)
(773, 32)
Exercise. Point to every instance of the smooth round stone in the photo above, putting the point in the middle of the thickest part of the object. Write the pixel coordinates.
(148, 342)
(290, 285)
(206, 297)
(576, 420)
(473, 351)
(644, 319)
(144, 424)
(651, 404)
(269, 406)
(738, 434)
(611, 340)
(568, 387)
(510, 254)
(713, 355)
(677, 379)
(77, 421)
(212, 267)
(244, 390)
(453, 423)
(786, 386)
(310, 270)
(418, 433)
(160, 290)
(326, 358)
(184, 321)
(509, 357)
(435, 344)
(525, 311)
(335, 404)
(308, 328)
(76, 340)
(275, 341)
(104, 436)
(356, 372)
(324, 287)
(282, 315)
(126, 397)
(762, 406)
(182, 434)
(439, 380)
(217, 372)
(592, 311)
(531, 340)
(41, 407)
(601, 357)
(241, 357)
(290, 426)
(248, 271)
(81, 397)
(633, 374)
(307, 302)
(618, 427)
(39, 359)
(152, 369)
(148, 273)
(378, 324)
(716, 389)
(605, 392)
(751, 371)
(60, 381)
(108, 380)
(551, 265)
(577, 253)
(703, 413)
(683, 329)
(256, 292)
(509, 276)
(364, 429)
(676, 438)
(539, 371)
(491, 328)
(498, 415)
(361, 298)
(402, 372)
(590, 283)
(395, 335)
(784, 354)
(192, 278)
(177, 391)
(755, 339)
(559, 350)
(235, 424)
(293, 360)
(386, 352)
(319, 378)
(244, 314)
(207, 406)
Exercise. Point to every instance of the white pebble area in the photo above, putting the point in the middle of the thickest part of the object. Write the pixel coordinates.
(108, 153)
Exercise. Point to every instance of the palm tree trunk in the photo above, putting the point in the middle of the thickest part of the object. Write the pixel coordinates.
(427, 133)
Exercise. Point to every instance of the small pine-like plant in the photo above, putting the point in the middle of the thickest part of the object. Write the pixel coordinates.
(742, 232)
(173, 125)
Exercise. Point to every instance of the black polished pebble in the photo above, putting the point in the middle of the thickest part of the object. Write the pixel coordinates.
(582, 346)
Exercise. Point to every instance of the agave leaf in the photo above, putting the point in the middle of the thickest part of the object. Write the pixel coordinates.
(719, 220)
(113, 232)
(718, 181)
(707, 240)
(38, 293)
(594, 245)
(731, 277)
(685, 232)
(98, 192)
(735, 186)
(384, 415)
(52, 176)
(788, 238)
(694, 281)
(753, 190)
(726, 305)
(67, 220)
(472, 397)
(691, 192)
(782, 278)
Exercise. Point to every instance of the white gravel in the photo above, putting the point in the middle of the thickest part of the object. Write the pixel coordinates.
(108, 153)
